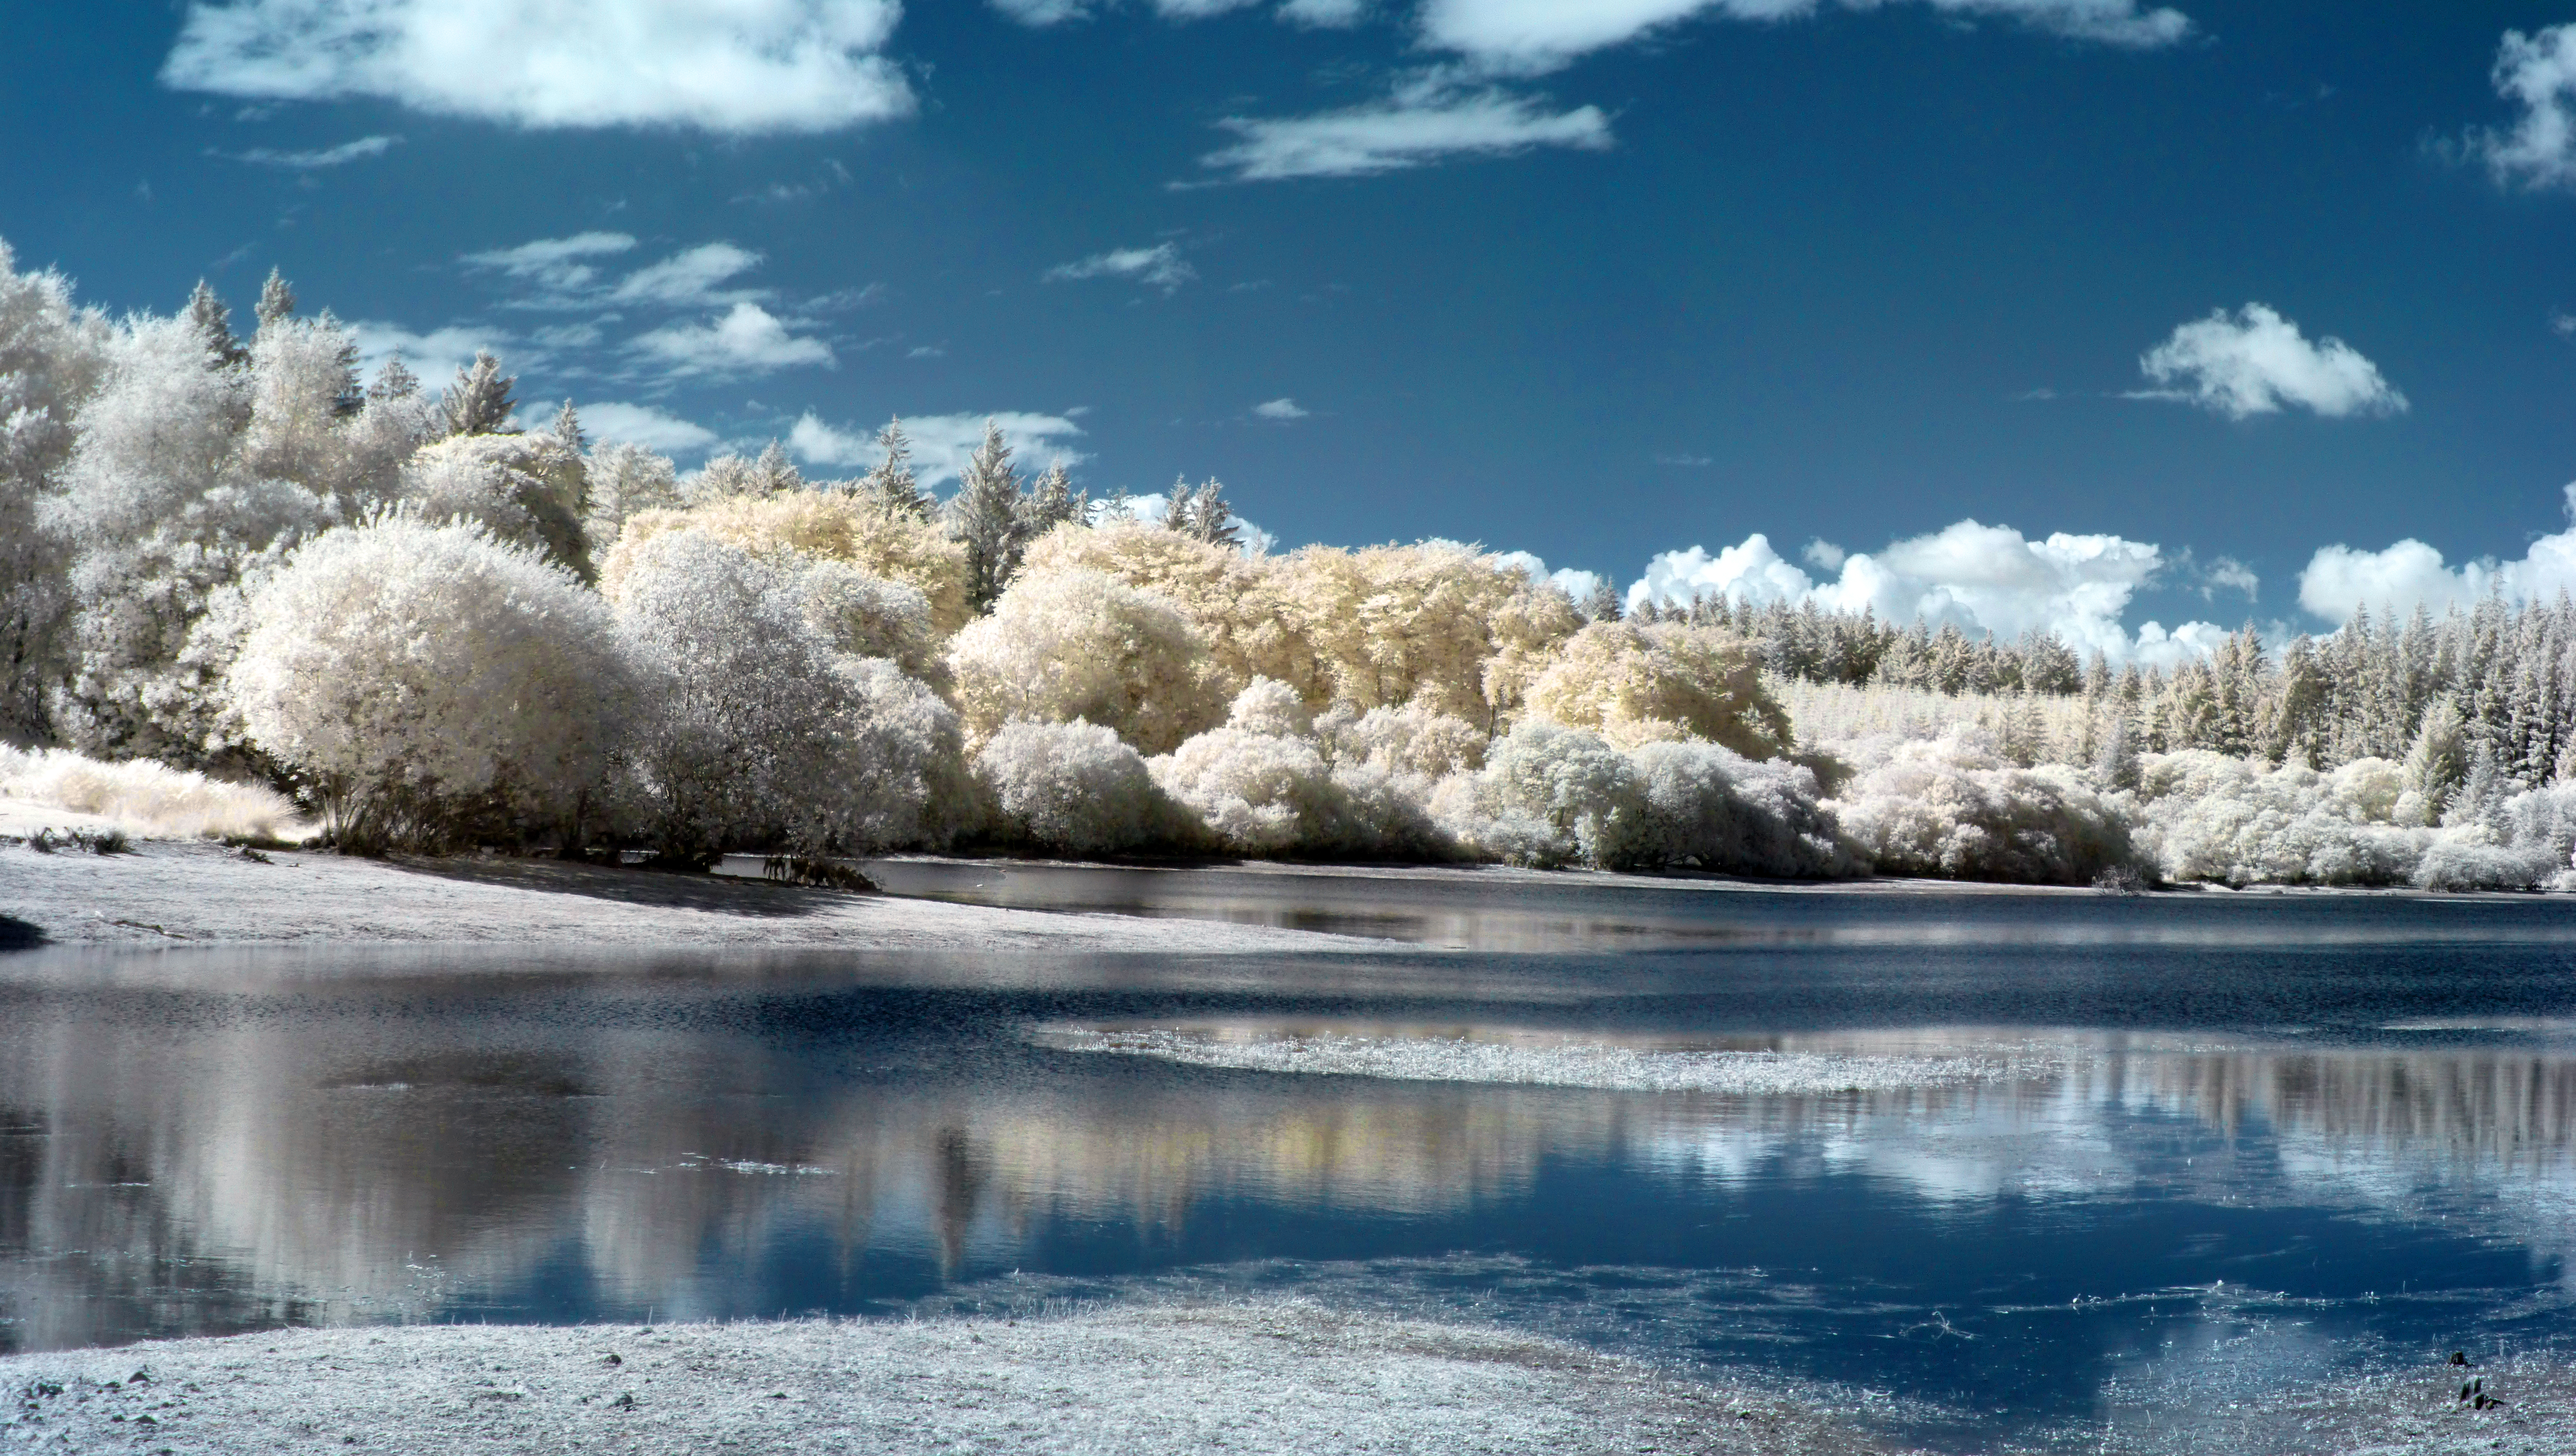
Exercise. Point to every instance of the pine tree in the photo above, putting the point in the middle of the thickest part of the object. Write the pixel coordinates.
(394, 381)
(1601, 604)
(567, 428)
(1051, 502)
(479, 402)
(2438, 761)
(896, 489)
(984, 516)
(276, 300)
(773, 473)
(214, 323)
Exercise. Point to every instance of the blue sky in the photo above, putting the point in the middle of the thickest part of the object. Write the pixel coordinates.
(1595, 279)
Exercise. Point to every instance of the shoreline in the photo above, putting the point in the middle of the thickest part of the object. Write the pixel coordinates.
(1271, 1376)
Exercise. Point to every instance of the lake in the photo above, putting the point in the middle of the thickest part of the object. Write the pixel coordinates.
(2018, 1169)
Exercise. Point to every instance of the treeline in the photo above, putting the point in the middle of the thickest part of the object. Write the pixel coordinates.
(438, 622)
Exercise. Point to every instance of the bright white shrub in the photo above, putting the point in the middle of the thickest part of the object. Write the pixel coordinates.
(814, 526)
(1072, 788)
(1077, 644)
(1633, 684)
(1412, 739)
(1267, 705)
(419, 676)
(1708, 804)
(1954, 808)
(2207, 816)
(1550, 795)
(151, 797)
(755, 730)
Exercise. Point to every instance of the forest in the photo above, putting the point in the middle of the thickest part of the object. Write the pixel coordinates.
(233, 569)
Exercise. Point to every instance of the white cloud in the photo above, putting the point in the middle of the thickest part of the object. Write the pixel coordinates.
(1160, 265)
(1426, 121)
(2539, 72)
(1281, 409)
(554, 264)
(341, 155)
(2229, 574)
(642, 424)
(727, 66)
(434, 356)
(748, 340)
(2410, 573)
(942, 443)
(1536, 35)
(1824, 555)
(688, 278)
(2257, 362)
(1984, 578)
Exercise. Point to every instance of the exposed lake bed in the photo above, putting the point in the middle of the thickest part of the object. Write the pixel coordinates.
(1962, 1172)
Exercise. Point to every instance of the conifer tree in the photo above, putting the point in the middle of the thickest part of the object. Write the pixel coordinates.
(896, 489)
(276, 300)
(214, 323)
(984, 516)
(479, 402)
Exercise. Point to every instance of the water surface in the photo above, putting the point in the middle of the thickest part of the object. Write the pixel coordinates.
(2014, 1160)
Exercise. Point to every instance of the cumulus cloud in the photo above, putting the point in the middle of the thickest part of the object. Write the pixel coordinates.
(1282, 408)
(1539, 35)
(1984, 578)
(747, 340)
(942, 443)
(554, 264)
(1161, 266)
(1427, 120)
(339, 156)
(2257, 362)
(642, 424)
(726, 66)
(2537, 72)
(2411, 573)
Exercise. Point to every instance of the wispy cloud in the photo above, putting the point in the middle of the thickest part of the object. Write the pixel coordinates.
(775, 66)
(2538, 72)
(1160, 266)
(689, 278)
(1281, 409)
(554, 264)
(434, 355)
(642, 424)
(1530, 36)
(339, 156)
(1427, 120)
(2257, 363)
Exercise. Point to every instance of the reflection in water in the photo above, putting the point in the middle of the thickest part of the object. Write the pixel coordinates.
(569, 1148)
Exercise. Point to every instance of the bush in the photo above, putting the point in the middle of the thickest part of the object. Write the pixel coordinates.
(756, 731)
(529, 490)
(1550, 795)
(1071, 788)
(426, 680)
(816, 526)
(1709, 805)
(1954, 808)
(151, 796)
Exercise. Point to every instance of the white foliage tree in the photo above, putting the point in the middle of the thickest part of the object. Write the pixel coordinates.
(529, 489)
(625, 481)
(425, 680)
(52, 356)
(1955, 808)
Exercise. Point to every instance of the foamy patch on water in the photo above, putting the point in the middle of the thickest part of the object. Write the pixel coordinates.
(1545, 1060)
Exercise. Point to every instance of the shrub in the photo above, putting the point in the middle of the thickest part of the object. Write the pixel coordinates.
(151, 796)
(1956, 809)
(425, 679)
(821, 526)
(1072, 788)
(1707, 804)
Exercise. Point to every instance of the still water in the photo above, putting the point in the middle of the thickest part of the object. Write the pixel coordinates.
(2023, 1164)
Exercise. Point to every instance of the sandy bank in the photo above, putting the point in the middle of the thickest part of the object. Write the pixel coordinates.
(174, 892)
(1272, 1377)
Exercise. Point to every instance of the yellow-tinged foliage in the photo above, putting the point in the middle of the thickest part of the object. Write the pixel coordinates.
(1637, 684)
(824, 526)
